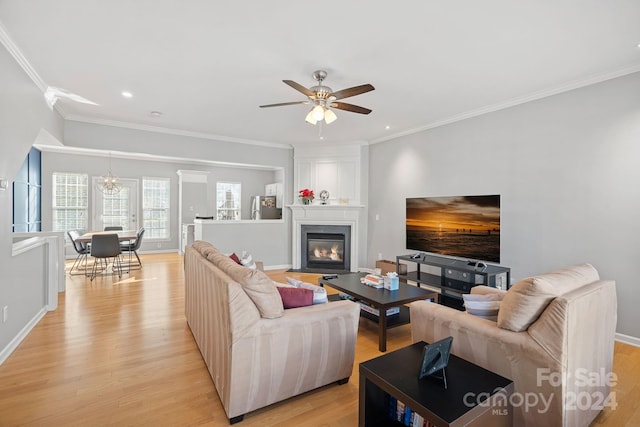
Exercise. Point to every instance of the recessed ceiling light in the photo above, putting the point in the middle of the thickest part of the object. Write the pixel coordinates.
(155, 113)
(127, 94)
(387, 127)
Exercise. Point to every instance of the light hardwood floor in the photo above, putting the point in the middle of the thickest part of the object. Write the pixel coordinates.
(119, 352)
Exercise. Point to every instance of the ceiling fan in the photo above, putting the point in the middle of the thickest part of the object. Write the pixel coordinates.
(323, 97)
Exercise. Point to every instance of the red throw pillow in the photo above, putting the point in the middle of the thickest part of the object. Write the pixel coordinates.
(234, 257)
(295, 297)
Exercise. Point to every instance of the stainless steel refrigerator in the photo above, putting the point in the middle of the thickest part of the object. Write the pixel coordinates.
(264, 207)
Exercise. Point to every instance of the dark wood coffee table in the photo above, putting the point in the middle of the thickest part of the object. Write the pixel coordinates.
(382, 299)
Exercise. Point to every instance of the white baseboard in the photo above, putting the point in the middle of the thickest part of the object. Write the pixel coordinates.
(15, 342)
(159, 251)
(277, 267)
(628, 339)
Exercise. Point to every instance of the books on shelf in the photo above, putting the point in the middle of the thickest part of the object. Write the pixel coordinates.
(375, 311)
(398, 411)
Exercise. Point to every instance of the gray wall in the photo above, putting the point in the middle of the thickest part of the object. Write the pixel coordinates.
(23, 114)
(567, 168)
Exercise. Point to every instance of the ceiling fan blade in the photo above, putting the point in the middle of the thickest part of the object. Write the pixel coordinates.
(352, 91)
(284, 103)
(350, 107)
(299, 87)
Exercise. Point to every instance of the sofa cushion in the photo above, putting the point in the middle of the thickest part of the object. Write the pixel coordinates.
(221, 261)
(255, 283)
(527, 299)
(483, 305)
(319, 293)
(295, 297)
(569, 278)
(202, 247)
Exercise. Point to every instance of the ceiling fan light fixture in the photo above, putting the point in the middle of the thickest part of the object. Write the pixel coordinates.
(318, 112)
(310, 118)
(321, 97)
(329, 116)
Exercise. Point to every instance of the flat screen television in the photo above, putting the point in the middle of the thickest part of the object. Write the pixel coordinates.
(464, 227)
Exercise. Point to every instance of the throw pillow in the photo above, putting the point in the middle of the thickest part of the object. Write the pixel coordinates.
(257, 285)
(319, 293)
(295, 297)
(247, 260)
(527, 299)
(523, 304)
(485, 306)
(234, 257)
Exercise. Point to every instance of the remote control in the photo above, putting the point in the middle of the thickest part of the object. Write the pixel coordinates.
(330, 276)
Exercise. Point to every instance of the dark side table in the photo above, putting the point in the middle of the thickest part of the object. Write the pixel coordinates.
(474, 396)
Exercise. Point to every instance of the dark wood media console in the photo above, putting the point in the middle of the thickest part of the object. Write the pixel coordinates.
(452, 277)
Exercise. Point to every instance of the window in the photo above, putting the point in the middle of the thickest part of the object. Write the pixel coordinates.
(116, 209)
(155, 207)
(26, 195)
(228, 200)
(70, 201)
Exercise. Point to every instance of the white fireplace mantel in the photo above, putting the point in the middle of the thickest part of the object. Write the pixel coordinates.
(318, 214)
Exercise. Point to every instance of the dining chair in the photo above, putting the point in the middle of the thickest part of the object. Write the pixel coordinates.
(104, 247)
(132, 247)
(113, 228)
(83, 250)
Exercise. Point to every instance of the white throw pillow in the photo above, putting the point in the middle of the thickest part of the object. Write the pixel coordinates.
(247, 260)
(486, 306)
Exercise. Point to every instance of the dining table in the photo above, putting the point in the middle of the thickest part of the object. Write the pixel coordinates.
(123, 235)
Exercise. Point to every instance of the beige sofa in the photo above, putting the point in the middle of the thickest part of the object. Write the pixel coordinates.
(258, 353)
(553, 337)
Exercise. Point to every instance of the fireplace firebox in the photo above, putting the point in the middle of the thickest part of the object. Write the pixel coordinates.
(325, 248)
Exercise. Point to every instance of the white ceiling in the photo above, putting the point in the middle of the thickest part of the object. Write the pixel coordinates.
(207, 65)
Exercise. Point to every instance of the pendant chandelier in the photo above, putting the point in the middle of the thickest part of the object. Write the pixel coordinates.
(109, 184)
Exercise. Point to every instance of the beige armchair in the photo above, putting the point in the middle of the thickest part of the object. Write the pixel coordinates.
(554, 338)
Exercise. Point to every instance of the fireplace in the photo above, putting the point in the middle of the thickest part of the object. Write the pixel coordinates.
(325, 248)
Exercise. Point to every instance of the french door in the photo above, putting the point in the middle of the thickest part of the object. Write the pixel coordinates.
(120, 209)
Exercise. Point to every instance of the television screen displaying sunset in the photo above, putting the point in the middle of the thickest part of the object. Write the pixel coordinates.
(465, 226)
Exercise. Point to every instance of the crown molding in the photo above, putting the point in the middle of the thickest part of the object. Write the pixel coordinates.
(22, 61)
(170, 131)
(92, 152)
(516, 101)
(9, 44)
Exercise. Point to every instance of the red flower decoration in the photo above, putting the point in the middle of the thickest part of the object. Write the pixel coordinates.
(306, 195)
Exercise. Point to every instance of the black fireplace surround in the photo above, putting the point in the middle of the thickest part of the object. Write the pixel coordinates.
(325, 248)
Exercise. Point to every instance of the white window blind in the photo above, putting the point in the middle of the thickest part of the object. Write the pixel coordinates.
(228, 200)
(70, 201)
(155, 207)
